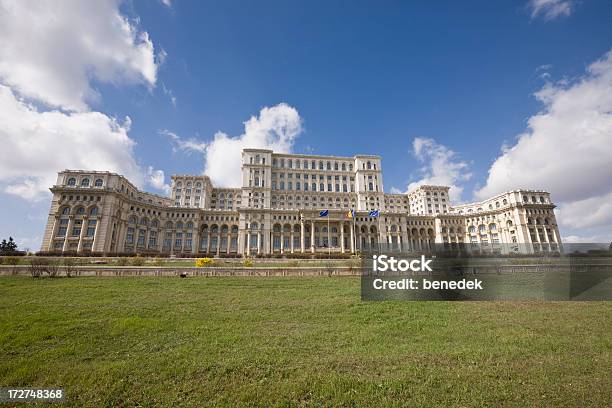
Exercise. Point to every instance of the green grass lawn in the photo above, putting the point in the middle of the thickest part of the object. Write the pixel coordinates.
(295, 342)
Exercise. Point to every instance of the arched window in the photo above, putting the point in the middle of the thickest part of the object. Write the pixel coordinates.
(80, 211)
(190, 225)
(85, 182)
(93, 211)
(169, 225)
(99, 183)
(66, 211)
(472, 229)
(179, 225)
(493, 227)
(72, 181)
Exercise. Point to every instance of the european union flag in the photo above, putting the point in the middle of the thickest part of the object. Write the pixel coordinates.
(374, 213)
(324, 213)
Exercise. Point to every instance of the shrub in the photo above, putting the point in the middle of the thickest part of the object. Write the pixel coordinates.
(53, 268)
(11, 260)
(37, 266)
(159, 262)
(69, 266)
(203, 262)
(137, 261)
(248, 263)
(122, 261)
(293, 264)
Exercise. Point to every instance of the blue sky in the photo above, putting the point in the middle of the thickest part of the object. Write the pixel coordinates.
(364, 77)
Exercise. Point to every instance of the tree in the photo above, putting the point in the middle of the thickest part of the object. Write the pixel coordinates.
(9, 246)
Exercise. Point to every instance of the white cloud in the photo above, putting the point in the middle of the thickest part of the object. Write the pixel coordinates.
(50, 51)
(550, 9)
(157, 179)
(440, 166)
(168, 92)
(567, 150)
(276, 128)
(167, 3)
(185, 145)
(36, 145)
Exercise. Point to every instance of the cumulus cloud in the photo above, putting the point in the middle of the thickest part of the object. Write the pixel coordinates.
(550, 9)
(276, 128)
(566, 149)
(50, 51)
(157, 179)
(36, 145)
(440, 166)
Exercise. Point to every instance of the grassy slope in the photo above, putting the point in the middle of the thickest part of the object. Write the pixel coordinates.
(295, 341)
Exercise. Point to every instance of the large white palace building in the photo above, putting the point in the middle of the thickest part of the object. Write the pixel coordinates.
(280, 209)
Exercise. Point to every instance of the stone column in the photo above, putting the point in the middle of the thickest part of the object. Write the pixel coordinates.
(146, 240)
(53, 232)
(208, 235)
(259, 243)
(342, 237)
(82, 234)
(219, 242)
(282, 242)
(352, 238)
(229, 241)
(96, 234)
(68, 232)
(291, 242)
(302, 238)
(312, 237)
(195, 240)
(117, 229)
(248, 243)
(240, 248)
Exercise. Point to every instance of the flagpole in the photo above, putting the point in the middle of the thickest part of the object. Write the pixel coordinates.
(354, 234)
(328, 236)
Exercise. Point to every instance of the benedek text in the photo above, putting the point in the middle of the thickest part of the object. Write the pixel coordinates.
(414, 284)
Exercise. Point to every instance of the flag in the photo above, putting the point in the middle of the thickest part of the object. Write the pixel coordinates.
(374, 213)
(350, 214)
(323, 213)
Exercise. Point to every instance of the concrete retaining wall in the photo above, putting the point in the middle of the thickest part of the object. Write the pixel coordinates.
(24, 270)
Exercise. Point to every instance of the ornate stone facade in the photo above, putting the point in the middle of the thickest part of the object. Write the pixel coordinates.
(277, 210)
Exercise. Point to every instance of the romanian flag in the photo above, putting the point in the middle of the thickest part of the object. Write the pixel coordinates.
(350, 214)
